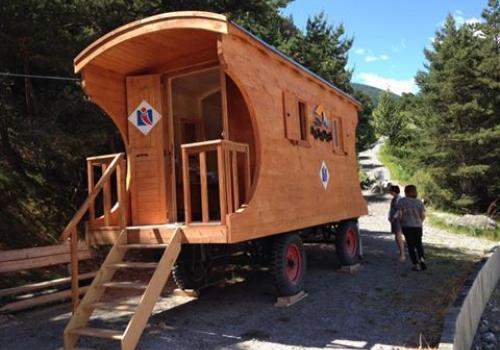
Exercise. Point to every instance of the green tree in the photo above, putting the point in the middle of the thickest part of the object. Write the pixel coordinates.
(324, 50)
(460, 104)
(388, 119)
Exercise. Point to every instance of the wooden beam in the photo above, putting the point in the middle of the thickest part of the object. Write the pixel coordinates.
(41, 300)
(75, 292)
(90, 186)
(106, 191)
(121, 174)
(222, 184)
(37, 252)
(41, 285)
(44, 261)
(204, 187)
(186, 185)
(236, 188)
(228, 180)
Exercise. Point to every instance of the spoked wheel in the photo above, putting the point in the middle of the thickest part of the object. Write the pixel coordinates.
(288, 264)
(347, 243)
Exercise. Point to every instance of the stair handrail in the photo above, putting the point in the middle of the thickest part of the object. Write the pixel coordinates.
(91, 197)
(70, 230)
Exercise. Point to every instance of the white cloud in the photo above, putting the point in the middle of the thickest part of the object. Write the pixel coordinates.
(372, 58)
(359, 51)
(473, 20)
(395, 85)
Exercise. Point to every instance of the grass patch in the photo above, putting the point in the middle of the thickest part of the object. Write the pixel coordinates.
(394, 165)
(403, 176)
(440, 223)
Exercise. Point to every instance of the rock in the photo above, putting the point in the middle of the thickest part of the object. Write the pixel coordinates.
(484, 326)
(489, 337)
(475, 221)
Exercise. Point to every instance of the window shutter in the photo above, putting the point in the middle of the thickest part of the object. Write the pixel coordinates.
(291, 116)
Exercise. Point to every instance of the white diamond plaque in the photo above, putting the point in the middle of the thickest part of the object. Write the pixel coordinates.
(144, 117)
(324, 175)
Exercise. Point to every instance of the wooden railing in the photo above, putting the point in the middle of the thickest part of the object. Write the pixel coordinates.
(109, 164)
(227, 168)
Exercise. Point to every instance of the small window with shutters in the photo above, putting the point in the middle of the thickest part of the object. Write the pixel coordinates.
(337, 136)
(295, 114)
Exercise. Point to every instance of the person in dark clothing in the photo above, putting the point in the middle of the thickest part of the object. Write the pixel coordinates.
(394, 220)
(412, 214)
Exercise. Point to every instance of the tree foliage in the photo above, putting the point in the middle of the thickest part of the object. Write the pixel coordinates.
(455, 142)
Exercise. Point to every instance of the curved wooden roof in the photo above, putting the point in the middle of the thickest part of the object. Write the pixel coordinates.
(157, 40)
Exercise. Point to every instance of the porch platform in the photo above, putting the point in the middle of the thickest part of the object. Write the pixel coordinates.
(194, 233)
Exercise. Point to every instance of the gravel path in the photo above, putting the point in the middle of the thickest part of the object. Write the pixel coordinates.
(382, 306)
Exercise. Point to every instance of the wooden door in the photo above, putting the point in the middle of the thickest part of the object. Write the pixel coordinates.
(148, 150)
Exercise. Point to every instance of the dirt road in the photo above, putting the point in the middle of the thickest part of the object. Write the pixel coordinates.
(382, 306)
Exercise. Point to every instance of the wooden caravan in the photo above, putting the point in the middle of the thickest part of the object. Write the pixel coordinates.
(230, 146)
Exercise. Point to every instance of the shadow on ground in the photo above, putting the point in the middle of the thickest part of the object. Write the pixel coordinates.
(383, 304)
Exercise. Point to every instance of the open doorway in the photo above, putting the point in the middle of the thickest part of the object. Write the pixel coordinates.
(197, 116)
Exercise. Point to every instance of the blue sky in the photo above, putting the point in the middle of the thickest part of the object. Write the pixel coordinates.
(389, 35)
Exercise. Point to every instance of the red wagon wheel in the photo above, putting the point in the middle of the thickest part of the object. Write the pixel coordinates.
(347, 242)
(288, 264)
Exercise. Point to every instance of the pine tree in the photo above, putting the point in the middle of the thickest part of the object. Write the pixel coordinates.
(460, 137)
(387, 118)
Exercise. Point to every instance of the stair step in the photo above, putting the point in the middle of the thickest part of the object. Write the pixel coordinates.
(125, 285)
(114, 306)
(133, 265)
(143, 246)
(99, 333)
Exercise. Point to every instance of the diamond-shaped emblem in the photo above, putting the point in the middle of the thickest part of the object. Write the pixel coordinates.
(324, 175)
(144, 117)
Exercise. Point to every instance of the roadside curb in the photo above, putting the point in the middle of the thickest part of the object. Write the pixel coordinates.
(462, 319)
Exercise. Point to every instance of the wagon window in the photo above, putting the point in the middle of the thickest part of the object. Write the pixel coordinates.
(303, 121)
(338, 136)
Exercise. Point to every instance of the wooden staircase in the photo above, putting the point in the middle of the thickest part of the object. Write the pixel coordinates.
(141, 311)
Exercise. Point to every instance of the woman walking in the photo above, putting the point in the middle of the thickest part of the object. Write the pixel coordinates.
(394, 220)
(412, 214)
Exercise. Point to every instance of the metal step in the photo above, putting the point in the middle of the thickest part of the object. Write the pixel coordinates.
(99, 333)
(133, 265)
(125, 285)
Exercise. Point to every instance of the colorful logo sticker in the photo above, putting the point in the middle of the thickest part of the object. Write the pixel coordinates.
(144, 117)
(324, 175)
(321, 128)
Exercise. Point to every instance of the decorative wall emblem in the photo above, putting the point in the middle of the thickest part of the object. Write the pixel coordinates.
(324, 175)
(321, 128)
(144, 117)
